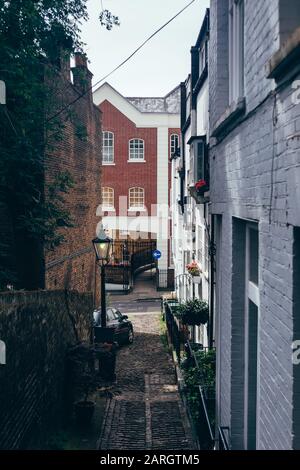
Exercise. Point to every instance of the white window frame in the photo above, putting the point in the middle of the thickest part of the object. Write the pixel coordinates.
(136, 207)
(108, 148)
(136, 155)
(173, 146)
(251, 294)
(236, 50)
(106, 206)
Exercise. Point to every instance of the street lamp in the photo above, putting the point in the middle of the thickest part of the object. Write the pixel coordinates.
(102, 246)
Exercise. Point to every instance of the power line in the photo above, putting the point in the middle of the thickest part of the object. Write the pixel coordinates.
(121, 64)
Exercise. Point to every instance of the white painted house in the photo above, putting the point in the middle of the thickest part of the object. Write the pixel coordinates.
(190, 216)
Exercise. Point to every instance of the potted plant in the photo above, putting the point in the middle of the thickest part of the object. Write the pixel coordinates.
(193, 312)
(195, 271)
(84, 409)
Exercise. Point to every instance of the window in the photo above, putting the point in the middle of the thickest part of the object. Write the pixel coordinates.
(108, 198)
(202, 58)
(236, 50)
(174, 144)
(136, 198)
(199, 161)
(136, 150)
(108, 147)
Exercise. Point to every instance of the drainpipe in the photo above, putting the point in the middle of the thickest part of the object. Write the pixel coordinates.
(182, 123)
(212, 285)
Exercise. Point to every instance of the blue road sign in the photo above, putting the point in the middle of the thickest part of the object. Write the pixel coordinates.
(156, 254)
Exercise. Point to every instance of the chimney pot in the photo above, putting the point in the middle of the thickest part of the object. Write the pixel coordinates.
(80, 60)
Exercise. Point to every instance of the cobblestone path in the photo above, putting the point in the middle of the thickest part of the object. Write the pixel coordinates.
(145, 411)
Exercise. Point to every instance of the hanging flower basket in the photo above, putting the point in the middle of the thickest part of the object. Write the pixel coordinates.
(193, 312)
(201, 187)
(197, 279)
(193, 269)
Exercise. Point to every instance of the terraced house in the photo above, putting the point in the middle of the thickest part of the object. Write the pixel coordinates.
(254, 168)
(190, 184)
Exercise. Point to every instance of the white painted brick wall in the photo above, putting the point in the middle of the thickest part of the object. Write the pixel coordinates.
(240, 187)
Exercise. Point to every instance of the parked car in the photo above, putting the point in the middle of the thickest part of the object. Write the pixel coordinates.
(123, 328)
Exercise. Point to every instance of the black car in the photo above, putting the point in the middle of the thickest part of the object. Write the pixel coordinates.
(123, 329)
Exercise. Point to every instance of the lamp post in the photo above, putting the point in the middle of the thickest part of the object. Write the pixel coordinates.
(102, 246)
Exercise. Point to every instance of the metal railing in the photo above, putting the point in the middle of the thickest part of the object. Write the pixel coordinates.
(128, 256)
(175, 335)
(223, 441)
(203, 427)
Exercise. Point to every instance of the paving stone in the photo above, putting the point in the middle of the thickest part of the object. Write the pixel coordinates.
(146, 410)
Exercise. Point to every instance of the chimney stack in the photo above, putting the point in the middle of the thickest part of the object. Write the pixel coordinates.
(81, 74)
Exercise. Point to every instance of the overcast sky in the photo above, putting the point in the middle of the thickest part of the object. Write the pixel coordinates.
(163, 63)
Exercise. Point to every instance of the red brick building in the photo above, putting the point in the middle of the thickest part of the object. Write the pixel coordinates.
(138, 134)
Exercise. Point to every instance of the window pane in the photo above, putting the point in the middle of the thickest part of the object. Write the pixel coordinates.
(136, 149)
(236, 50)
(107, 197)
(200, 160)
(108, 147)
(253, 255)
(174, 144)
(136, 197)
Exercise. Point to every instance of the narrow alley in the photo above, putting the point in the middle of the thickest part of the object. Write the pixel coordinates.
(149, 230)
(145, 411)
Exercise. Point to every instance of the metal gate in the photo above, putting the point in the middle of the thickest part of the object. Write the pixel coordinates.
(129, 257)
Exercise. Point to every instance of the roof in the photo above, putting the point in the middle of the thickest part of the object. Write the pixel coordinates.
(169, 104)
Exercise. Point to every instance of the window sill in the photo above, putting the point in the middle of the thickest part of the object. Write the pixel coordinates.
(136, 161)
(286, 61)
(137, 209)
(108, 164)
(229, 120)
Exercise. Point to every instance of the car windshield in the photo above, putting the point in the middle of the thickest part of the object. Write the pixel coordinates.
(110, 315)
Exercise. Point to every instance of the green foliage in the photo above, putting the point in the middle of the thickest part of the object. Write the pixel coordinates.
(204, 375)
(108, 20)
(207, 364)
(81, 132)
(33, 35)
(193, 312)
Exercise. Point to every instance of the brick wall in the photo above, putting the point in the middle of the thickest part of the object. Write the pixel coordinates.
(218, 59)
(37, 328)
(77, 150)
(254, 175)
(71, 265)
